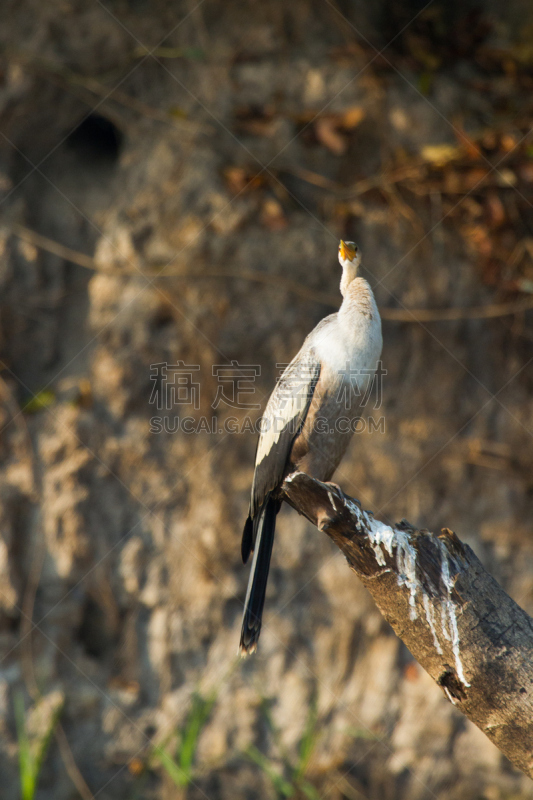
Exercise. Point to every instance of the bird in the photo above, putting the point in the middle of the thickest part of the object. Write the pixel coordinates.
(301, 428)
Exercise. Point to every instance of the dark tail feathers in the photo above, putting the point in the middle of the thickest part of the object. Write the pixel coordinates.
(247, 544)
(255, 595)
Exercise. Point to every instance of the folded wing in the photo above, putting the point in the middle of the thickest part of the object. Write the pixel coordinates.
(282, 421)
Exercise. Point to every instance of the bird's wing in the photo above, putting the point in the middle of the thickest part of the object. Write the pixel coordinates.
(282, 421)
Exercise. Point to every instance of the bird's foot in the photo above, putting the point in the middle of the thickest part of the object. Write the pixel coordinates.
(334, 486)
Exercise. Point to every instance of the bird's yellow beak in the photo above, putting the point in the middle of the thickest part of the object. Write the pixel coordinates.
(346, 251)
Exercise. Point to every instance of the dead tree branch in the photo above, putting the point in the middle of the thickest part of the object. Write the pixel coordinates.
(456, 620)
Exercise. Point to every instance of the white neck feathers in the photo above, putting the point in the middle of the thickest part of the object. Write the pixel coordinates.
(349, 272)
(358, 299)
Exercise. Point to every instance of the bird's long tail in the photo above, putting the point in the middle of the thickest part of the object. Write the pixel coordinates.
(255, 594)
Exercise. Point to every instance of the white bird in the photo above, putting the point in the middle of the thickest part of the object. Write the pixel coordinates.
(308, 421)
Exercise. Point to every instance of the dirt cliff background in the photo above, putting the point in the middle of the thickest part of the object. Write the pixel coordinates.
(167, 141)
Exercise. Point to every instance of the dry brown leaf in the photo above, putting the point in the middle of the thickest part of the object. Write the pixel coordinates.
(489, 140)
(239, 179)
(452, 182)
(473, 178)
(327, 133)
(495, 210)
(439, 154)
(259, 127)
(136, 767)
(506, 177)
(257, 120)
(526, 171)
(330, 127)
(507, 142)
(479, 238)
(472, 207)
(351, 118)
(469, 146)
(272, 216)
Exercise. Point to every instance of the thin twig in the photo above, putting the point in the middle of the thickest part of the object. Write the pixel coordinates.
(65, 76)
(314, 178)
(70, 764)
(51, 246)
(360, 187)
(449, 314)
(489, 311)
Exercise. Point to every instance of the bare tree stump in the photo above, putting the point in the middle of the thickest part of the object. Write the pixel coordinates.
(456, 620)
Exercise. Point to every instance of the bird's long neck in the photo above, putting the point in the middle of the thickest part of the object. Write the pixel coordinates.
(349, 272)
(358, 299)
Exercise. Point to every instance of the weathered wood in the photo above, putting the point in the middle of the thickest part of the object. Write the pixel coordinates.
(456, 620)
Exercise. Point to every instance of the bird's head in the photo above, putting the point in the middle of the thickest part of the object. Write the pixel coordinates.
(349, 259)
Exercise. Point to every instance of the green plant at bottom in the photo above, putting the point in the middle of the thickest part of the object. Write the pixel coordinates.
(292, 783)
(179, 765)
(39, 402)
(34, 731)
